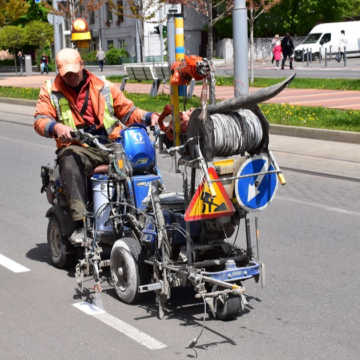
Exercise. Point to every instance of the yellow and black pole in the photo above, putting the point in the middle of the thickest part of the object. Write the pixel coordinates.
(178, 90)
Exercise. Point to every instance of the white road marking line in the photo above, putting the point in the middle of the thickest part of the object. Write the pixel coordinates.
(12, 265)
(329, 208)
(121, 326)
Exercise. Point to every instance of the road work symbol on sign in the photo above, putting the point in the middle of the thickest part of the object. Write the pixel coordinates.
(204, 206)
(254, 193)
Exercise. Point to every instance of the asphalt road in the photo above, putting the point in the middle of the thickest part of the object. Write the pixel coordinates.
(309, 308)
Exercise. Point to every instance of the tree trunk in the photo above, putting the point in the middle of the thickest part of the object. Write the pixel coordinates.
(15, 56)
(210, 31)
(251, 46)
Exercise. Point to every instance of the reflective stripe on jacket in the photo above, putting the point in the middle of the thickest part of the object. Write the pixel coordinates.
(63, 111)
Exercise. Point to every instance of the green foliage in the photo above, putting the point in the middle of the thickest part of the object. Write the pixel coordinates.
(113, 55)
(298, 17)
(313, 117)
(7, 62)
(39, 34)
(88, 55)
(12, 38)
(351, 9)
(224, 28)
(35, 11)
(11, 10)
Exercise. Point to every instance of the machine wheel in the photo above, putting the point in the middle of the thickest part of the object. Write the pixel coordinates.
(229, 309)
(128, 269)
(59, 245)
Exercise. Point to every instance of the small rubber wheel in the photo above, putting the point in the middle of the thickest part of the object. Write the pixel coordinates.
(128, 270)
(59, 246)
(228, 310)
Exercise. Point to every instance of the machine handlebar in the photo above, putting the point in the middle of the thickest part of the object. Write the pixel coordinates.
(83, 137)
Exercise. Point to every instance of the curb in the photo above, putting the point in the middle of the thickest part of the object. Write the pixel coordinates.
(316, 134)
(22, 102)
(300, 132)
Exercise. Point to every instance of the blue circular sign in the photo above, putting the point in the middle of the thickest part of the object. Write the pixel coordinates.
(254, 193)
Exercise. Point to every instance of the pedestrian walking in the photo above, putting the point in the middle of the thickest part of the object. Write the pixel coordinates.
(287, 50)
(21, 62)
(100, 55)
(44, 63)
(274, 42)
(342, 44)
(277, 53)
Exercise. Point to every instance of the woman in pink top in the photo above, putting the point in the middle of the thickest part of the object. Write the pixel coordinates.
(277, 51)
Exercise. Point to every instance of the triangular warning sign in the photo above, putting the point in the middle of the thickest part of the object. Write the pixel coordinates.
(203, 206)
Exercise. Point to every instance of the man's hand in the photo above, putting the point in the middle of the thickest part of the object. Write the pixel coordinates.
(154, 119)
(62, 132)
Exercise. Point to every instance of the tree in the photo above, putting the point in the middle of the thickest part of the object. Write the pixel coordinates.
(255, 9)
(12, 38)
(38, 33)
(299, 17)
(35, 11)
(11, 10)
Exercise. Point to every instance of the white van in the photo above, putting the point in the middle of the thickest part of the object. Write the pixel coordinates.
(323, 36)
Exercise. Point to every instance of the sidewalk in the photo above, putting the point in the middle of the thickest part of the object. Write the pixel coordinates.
(304, 97)
(336, 99)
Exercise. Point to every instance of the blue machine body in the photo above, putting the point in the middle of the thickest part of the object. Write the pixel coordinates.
(140, 186)
(138, 147)
(177, 238)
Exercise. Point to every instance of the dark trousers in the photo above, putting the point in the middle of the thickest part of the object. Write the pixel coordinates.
(285, 55)
(101, 64)
(74, 162)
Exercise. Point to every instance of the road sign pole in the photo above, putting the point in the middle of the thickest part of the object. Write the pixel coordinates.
(57, 41)
(240, 41)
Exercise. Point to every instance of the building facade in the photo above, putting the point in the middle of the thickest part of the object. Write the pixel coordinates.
(108, 29)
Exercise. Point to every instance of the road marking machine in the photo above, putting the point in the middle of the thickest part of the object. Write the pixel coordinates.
(160, 239)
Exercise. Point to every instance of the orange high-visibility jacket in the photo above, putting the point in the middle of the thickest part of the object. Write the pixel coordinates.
(124, 109)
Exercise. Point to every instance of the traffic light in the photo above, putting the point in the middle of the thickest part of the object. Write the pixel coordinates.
(80, 33)
(157, 30)
(164, 30)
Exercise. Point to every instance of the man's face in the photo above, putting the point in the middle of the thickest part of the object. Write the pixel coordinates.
(73, 79)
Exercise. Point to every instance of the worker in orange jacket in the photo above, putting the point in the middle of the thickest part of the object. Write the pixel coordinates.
(77, 99)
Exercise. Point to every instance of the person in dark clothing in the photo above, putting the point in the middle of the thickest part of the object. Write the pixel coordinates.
(287, 49)
(44, 63)
(21, 61)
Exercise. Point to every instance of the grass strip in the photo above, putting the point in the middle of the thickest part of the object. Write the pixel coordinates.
(297, 83)
(282, 114)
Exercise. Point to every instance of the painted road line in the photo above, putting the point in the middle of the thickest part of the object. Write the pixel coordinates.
(12, 265)
(121, 326)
